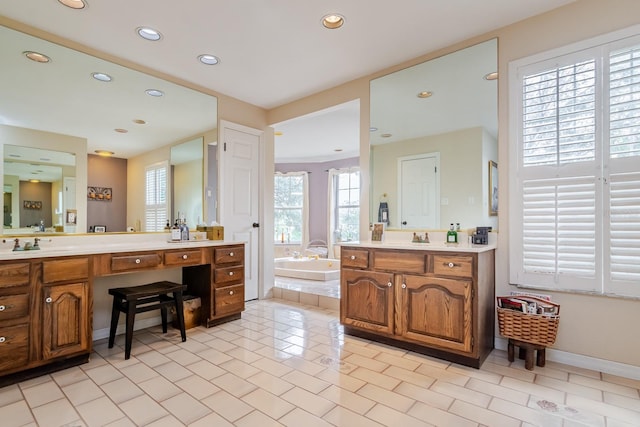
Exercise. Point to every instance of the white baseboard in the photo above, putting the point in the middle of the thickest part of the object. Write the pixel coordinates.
(99, 334)
(581, 361)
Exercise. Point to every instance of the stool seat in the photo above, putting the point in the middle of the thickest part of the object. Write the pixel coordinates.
(138, 299)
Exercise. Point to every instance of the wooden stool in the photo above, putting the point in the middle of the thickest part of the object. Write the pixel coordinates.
(526, 350)
(138, 299)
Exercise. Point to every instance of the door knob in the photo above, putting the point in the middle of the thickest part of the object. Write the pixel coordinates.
(404, 222)
(255, 225)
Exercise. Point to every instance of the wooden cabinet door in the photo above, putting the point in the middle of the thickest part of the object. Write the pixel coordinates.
(437, 312)
(65, 320)
(366, 300)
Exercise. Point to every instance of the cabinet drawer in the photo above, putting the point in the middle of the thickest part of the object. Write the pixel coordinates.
(183, 257)
(229, 299)
(354, 258)
(14, 346)
(14, 306)
(14, 274)
(228, 255)
(401, 262)
(229, 274)
(450, 265)
(65, 270)
(135, 262)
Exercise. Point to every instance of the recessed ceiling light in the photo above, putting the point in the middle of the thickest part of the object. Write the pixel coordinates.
(337, 150)
(74, 4)
(37, 57)
(35, 181)
(105, 153)
(386, 135)
(120, 130)
(139, 122)
(333, 21)
(149, 34)
(491, 76)
(154, 92)
(102, 77)
(207, 59)
(372, 129)
(425, 94)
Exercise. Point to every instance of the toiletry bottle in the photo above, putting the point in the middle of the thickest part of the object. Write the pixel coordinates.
(175, 232)
(167, 228)
(184, 230)
(452, 236)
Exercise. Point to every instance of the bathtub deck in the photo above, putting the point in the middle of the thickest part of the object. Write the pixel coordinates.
(308, 292)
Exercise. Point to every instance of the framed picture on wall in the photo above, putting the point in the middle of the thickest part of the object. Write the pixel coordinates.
(377, 232)
(99, 228)
(493, 188)
(72, 216)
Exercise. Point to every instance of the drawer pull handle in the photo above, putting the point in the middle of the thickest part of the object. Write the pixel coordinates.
(450, 265)
(231, 273)
(185, 256)
(404, 286)
(48, 300)
(2, 307)
(230, 253)
(230, 292)
(389, 284)
(2, 339)
(6, 307)
(137, 260)
(353, 257)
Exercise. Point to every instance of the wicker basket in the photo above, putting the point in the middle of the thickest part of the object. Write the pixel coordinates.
(540, 329)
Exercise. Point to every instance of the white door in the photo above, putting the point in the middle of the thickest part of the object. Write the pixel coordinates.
(419, 190)
(239, 197)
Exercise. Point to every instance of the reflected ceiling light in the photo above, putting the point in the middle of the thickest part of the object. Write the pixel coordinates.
(105, 153)
(424, 94)
(120, 130)
(149, 34)
(491, 76)
(74, 4)
(333, 21)
(34, 180)
(154, 92)
(373, 129)
(103, 77)
(37, 57)
(278, 133)
(207, 59)
(139, 122)
(386, 135)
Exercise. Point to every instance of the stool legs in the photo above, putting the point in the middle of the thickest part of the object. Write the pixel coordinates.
(177, 297)
(131, 315)
(526, 352)
(115, 314)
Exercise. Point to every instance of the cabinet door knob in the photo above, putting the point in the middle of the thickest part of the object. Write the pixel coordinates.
(231, 273)
(451, 265)
(389, 284)
(2, 307)
(185, 256)
(48, 300)
(137, 260)
(2, 339)
(230, 292)
(353, 257)
(230, 253)
(404, 286)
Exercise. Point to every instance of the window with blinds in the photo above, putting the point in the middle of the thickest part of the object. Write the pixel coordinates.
(156, 207)
(575, 204)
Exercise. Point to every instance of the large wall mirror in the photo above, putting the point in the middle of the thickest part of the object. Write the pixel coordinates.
(63, 106)
(433, 135)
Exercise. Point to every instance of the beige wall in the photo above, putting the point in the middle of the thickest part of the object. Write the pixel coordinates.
(593, 326)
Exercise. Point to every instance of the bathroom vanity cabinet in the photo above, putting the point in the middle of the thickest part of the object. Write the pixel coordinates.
(46, 301)
(436, 302)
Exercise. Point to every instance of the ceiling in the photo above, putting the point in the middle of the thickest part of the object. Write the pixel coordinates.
(272, 52)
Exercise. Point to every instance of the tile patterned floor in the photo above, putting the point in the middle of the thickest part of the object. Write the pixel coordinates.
(287, 364)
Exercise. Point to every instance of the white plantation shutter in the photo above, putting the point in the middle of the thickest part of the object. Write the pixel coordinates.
(575, 203)
(156, 177)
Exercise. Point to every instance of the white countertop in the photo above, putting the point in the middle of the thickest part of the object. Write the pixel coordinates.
(68, 245)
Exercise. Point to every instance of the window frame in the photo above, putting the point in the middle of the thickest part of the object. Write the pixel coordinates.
(336, 206)
(160, 211)
(601, 169)
(304, 209)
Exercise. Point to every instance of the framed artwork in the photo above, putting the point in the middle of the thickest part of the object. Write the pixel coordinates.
(493, 188)
(32, 204)
(99, 228)
(99, 194)
(72, 216)
(377, 232)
